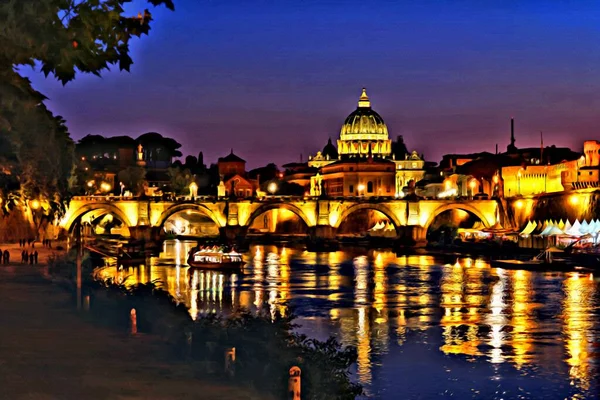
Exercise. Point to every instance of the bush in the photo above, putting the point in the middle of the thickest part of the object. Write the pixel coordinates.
(266, 346)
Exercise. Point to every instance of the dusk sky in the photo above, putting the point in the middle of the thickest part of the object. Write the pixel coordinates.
(276, 79)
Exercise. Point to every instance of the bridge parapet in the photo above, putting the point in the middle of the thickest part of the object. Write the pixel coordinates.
(327, 213)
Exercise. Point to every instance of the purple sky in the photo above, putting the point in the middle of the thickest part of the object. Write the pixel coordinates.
(274, 79)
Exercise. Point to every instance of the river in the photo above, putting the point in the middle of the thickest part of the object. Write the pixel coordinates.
(424, 326)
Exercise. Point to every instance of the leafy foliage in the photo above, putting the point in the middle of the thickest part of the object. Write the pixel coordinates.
(133, 178)
(267, 345)
(180, 180)
(62, 37)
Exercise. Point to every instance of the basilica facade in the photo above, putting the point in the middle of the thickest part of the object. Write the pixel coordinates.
(366, 162)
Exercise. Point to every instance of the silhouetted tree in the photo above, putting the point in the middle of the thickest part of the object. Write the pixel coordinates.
(62, 37)
(133, 178)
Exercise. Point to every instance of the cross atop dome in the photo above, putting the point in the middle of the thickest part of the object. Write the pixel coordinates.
(363, 101)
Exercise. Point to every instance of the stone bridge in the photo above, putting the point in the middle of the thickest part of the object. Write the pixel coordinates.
(146, 217)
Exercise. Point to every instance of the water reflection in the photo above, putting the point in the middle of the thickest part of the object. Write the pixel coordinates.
(541, 325)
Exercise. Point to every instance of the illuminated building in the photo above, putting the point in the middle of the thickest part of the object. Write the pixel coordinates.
(537, 179)
(100, 159)
(577, 172)
(232, 170)
(520, 171)
(327, 156)
(366, 162)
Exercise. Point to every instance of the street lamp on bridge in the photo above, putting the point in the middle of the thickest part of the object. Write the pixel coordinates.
(272, 188)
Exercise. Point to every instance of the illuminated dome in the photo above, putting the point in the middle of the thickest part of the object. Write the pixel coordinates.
(364, 131)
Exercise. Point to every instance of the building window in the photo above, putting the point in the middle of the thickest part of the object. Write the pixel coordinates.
(351, 189)
(414, 165)
(369, 187)
(351, 169)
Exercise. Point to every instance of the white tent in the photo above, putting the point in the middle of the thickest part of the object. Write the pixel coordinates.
(547, 229)
(567, 226)
(389, 227)
(596, 226)
(575, 229)
(529, 228)
(555, 231)
(560, 225)
(378, 226)
(585, 227)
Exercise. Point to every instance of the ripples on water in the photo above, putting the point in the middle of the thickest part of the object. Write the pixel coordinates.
(424, 327)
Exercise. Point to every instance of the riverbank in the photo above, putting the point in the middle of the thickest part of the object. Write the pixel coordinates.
(48, 350)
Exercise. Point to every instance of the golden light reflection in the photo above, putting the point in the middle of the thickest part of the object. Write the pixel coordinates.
(194, 296)
(523, 323)
(497, 319)
(380, 283)
(462, 302)
(578, 325)
(363, 347)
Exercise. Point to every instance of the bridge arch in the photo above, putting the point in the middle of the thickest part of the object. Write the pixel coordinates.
(278, 205)
(102, 208)
(369, 206)
(458, 206)
(188, 207)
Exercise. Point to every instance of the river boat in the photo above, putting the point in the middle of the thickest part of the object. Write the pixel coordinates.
(215, 258)
(552, 258)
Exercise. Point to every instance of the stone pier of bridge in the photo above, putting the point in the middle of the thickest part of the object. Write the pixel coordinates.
(145, 218)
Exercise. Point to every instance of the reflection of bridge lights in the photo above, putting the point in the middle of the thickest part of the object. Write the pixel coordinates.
(361, 262)
(362, 277)
(363, 348)
(578, 328)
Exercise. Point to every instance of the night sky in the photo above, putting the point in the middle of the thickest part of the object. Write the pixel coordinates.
(276, 79)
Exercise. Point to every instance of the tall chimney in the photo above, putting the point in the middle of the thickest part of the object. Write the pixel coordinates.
(512, 131)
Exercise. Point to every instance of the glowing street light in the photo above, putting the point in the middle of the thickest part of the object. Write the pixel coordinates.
(193, 189)
(472, 185)
(90, 184)
(519, 204)
(35, 204)
(105, 187)
(447, 184)
(272, 188)
(574, 199)
(361, 189)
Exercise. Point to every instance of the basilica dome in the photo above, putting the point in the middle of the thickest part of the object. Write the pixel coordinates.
(364, 131)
